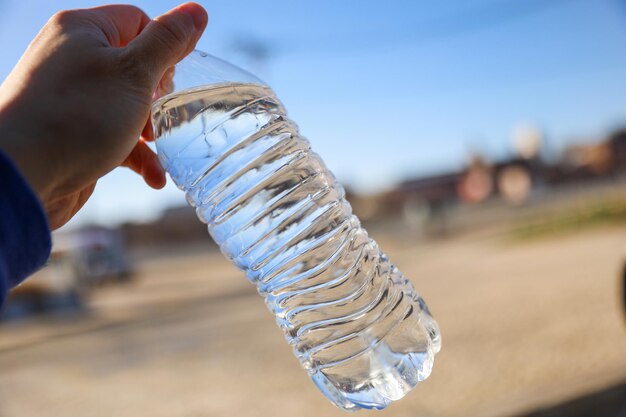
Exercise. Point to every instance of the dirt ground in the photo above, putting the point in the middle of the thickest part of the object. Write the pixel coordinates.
(524, 325)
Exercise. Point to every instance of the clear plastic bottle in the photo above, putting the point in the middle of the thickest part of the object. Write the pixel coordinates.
(354, 321)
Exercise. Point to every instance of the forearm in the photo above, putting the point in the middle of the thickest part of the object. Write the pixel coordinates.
(24, 234)
(26, 149)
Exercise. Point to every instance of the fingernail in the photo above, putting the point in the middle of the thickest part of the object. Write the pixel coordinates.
(197, 14)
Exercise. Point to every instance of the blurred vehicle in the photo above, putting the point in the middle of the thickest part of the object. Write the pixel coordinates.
(54, 287)
(98, 254)
(79, 260)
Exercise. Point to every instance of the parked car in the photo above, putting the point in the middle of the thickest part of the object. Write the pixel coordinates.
(79, 261)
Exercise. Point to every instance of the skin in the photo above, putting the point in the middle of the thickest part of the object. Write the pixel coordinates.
(77, 104)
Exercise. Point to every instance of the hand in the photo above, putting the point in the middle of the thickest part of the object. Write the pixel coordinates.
(77, 104)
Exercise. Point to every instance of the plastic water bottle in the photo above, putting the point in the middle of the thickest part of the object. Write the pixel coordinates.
(354, 321)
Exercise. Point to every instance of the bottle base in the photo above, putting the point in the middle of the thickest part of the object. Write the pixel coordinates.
(395, 375)
(380, 392)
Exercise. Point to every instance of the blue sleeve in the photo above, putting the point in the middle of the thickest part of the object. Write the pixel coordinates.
(24, 234)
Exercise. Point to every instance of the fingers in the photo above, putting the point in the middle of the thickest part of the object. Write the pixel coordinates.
(167, 39)
(166, 84)
(119, 23)
(145, 163)
(147, 133)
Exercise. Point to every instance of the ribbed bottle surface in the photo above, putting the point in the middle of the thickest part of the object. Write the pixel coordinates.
(355, 322)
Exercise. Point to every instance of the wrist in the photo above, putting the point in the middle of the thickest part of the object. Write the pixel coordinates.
(30, 160)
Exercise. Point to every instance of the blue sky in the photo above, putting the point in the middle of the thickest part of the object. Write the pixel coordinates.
(389, 90)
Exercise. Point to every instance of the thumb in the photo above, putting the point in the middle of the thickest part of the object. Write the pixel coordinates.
(167, 39)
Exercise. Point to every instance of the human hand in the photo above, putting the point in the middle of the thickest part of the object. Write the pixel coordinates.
(77, 104)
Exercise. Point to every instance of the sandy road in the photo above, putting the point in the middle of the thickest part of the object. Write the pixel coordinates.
(523, 325)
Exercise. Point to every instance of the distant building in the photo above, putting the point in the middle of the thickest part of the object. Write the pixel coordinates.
(177, 225)
(426, 202)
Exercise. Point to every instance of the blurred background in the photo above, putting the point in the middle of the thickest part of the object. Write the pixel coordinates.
(482, 143)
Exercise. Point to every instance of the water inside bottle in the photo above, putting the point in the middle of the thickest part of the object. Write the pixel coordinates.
(354, 321)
